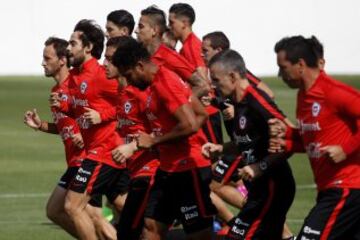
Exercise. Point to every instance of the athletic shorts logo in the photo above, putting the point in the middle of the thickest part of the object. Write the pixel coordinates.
(127, 107)
(242, 122)
(315, 109)
(83, 87)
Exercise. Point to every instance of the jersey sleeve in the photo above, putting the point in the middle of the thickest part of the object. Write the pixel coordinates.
(179, 65)
(346, 101)
(109, 91)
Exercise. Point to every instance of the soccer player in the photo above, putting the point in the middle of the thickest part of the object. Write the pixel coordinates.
(119, 23)
(328, 115)
(212, 44)
(55, 66)
(215, 42)
(181, 187)
(268, 177)
(151, 27)
(93, 105)
(142, 166)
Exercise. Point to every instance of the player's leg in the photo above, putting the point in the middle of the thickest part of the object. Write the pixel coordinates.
(103, 228)
(55, 206)
(196, 209)
(161, 209)
(132, 218)
(55, 211)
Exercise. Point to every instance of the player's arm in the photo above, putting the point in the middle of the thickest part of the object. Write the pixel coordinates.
(200, 84)
(108, 90)
(200, 113)
(32, 120)
(186, 125)
(346, 102)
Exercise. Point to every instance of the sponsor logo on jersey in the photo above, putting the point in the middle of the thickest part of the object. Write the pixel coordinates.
(308, 127)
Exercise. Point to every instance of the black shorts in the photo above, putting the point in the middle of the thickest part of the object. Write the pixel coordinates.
(336, 215)
(67, 178)
(226, 169)
(184, 196)
(97, 178)
(270, 197)
(132, 217)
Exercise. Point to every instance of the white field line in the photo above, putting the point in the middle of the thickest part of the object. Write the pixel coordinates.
(43, 195)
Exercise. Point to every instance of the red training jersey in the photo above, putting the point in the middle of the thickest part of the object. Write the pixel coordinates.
(167, 93)
(329, 114)
(172, 60)
(66, 127)
(90, 88)
(191, 50)
(132, 119)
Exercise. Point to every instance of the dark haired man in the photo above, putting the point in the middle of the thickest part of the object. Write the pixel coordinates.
(328, 115)
(151, 27)
(93, 102)
(143, 164)
(119, 23)
(181, 187)
(268, 177)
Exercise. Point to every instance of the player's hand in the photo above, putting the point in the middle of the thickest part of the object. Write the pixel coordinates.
(145, 140)
(92, 116)
(277, 128)
(123, 152)
(77, 140)
(276, 145)
(334, 152)
(211, 150)
(250, 172)
(32, 119)
(229, 112)
(55, 100)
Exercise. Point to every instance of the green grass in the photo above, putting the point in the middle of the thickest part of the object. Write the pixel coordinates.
(31, 162)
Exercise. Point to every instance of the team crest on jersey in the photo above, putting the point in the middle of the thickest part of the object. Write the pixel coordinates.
(315, 109)
(83, 87)
(242, 122)
(127, 107)
(64, 97)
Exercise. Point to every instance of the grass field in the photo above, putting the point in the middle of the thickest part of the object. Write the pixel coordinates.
(31, 162)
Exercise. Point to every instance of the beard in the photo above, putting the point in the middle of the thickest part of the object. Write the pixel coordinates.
(75, 61)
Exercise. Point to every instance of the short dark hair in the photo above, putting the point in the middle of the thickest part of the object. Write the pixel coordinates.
(230, 59)
(157, 16)
(122, 18)
(59, 45)
(91, 33)
(128, 53)
(183, 9)
(217, 40)
(297, 47)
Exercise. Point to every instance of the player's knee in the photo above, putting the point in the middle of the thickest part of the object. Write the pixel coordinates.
(215, 187)
(71, 208)
(151, 227)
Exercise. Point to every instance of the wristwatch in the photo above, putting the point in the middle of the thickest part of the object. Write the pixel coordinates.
(263, 165)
